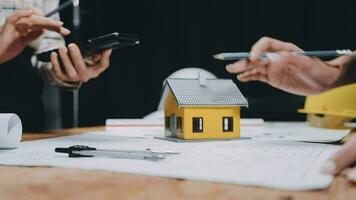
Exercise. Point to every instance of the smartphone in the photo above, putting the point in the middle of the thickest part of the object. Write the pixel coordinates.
(97, 45)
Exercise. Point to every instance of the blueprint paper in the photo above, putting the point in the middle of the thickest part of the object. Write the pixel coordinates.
(266, 162)
(10, 131)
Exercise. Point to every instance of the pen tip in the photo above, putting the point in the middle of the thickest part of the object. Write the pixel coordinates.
(219, 56)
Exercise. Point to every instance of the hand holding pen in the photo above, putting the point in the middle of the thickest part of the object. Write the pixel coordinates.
(304, 75)
(294, 73)
(21, 28)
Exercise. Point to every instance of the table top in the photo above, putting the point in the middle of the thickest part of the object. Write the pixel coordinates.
(55, 183)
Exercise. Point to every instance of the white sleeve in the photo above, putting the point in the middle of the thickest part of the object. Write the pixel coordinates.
(48, 41)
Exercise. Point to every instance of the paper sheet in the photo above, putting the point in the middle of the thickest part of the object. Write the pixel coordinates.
(10, 131)
(256, 128)
(271, 163)
(118, 123)
(294, 131)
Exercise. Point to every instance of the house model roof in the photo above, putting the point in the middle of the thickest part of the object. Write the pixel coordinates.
(211, 92)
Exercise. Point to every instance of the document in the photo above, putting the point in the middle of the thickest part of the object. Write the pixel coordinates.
(255, 128)
(267, 162)
(294, 131)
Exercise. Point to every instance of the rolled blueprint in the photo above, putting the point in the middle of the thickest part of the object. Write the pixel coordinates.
(10, 131)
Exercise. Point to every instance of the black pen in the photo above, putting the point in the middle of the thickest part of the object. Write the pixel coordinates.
(60, 7)
(319, 54)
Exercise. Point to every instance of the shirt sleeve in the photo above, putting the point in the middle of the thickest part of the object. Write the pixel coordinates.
(48, 41)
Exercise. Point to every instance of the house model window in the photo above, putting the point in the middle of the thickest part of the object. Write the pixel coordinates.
(228, 124)
(198, 125)
(167, 123)
(179, 124)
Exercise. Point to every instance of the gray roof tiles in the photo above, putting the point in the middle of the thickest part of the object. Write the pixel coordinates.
(223, 92)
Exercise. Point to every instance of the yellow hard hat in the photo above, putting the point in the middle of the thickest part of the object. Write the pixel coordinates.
(333, 108)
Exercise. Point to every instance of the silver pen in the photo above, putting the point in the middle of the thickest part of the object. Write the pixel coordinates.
(86, 151)
(319, 54)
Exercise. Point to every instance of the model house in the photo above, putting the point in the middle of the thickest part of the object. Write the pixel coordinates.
(202, 108)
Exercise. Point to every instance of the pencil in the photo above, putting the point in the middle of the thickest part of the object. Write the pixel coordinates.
(60, 7)
(319, 54)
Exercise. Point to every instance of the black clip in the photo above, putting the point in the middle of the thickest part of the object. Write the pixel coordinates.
(70, 150)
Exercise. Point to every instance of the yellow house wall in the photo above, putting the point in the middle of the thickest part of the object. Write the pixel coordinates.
(212, 122)
(213, 125)
(171, 107)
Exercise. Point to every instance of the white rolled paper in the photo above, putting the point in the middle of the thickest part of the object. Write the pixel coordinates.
(10, 131)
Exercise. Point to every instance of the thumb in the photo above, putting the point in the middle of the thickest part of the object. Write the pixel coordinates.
(342, 60)
(342, 159)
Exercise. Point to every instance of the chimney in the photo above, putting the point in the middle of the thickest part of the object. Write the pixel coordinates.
(202, 79)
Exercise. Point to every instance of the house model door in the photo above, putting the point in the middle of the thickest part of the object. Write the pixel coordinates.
(173, 125)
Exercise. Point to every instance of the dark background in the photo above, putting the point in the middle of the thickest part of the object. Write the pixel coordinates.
(176, 34)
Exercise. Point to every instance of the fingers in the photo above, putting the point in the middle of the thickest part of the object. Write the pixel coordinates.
(18, 15)
(36, 11)
(342, 159)
(342, 61)
(256, 74)
(266, 44)
(63, 67)
(238, 67)
(57, 67)
(300, 63)
(306, 67)
(73, 67)
(245, 65)
(68, 66)
(249, 70)
(33, 35)
(255, 68)
(352, 175)
(29, 20)
(36, 22)
(96, 58)
(103, 64)
(93, 59)
(269, 70)
(78, 61)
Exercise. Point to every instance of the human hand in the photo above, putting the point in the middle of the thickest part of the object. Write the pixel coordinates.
(343, 159)
(293, 73)
(69, 65)
(21, 28)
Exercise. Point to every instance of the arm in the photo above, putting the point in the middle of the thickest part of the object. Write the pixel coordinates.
(296, 74)
(304, 76)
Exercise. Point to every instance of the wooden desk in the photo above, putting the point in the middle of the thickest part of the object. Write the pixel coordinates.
(54, 183)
